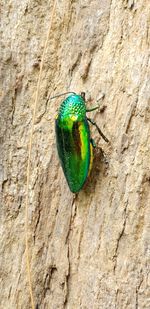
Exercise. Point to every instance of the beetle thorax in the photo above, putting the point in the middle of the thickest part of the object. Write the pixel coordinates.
(73, 107)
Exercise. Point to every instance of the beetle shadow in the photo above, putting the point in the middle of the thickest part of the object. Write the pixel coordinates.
(99, 167)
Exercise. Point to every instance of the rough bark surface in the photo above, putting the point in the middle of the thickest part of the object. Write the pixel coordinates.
(91, 250)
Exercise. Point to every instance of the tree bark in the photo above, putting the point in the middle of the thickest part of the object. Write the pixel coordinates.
(90, 250)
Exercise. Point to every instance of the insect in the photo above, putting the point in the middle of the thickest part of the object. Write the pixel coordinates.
(73, 139)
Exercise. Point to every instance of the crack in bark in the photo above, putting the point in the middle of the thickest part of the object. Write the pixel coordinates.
(68, 253)
(116, 298)
(46, 284)
(17, 86)
(108, 19)
(131, 113)
(38, 204)
(3, 184)
(13, 111)
(67, 278)
(48, 277)
(84, 75)
(39, 215)
(10, 292)
(37, 223)
(71, 219)
(137, 293)
(119, 238)
(75, 63)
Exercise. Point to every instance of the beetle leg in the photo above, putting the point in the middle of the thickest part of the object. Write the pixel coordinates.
(93, 142)
(92, 109)
(98, 129)
(83, 95)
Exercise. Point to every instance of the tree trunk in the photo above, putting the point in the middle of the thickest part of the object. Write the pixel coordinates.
(92, 249)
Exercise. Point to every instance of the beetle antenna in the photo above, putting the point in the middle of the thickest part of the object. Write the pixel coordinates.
(56, 96)
(59, 95)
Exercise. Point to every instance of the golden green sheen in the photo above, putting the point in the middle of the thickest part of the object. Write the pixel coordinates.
(73, 141)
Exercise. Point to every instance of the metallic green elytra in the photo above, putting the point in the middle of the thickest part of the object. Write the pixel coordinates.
(73, 140)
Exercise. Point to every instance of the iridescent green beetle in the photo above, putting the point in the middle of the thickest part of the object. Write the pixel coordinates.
(74, 143)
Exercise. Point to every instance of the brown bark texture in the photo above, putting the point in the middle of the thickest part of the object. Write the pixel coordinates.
(90, 250)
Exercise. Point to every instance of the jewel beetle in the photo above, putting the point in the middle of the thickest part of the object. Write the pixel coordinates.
(73, 139)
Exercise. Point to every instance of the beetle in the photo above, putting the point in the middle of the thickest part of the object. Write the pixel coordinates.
(73, 139)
